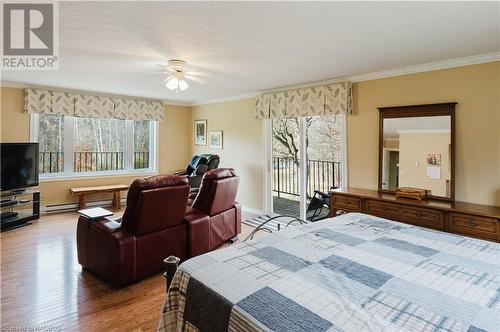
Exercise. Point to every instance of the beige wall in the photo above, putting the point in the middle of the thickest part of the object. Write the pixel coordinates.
(174, 150)
(475, 88)
(413, 151)
(173, 137)
(244, 147)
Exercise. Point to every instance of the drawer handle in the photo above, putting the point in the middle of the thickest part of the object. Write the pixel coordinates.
(347, 202)
(419, 214)
(471, 225)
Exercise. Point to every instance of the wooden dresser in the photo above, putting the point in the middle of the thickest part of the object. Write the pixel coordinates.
(474, 220)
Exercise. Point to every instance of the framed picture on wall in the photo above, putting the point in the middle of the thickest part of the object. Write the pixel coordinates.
(215, 138)
(200, 132)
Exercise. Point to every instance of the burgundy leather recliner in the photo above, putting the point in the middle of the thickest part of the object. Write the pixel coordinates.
(152, 228)
(157, 223)
(214, 216)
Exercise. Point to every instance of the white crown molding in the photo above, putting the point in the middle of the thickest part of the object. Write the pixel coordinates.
(224, 99)
(446, 64)
(431, 66)
(18, 85)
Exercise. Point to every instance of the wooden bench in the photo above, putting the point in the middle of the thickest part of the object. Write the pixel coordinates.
(81, 192)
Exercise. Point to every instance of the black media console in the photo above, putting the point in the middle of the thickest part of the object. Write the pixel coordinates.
(19, 207)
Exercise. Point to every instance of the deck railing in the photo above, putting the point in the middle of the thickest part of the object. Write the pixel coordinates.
(87, 161)
(141, 159)
(98, 161)
(51, 162)
(321, 175)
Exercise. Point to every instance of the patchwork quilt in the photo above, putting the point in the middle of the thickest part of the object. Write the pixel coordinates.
(350, 273)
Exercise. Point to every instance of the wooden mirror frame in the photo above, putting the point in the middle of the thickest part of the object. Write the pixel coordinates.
(444, 109)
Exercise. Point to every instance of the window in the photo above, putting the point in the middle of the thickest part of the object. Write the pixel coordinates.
(74, 145)
(51, 142)
(142, 143)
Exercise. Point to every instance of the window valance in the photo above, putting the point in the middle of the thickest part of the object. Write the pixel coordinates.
(328, 99)
(85, 105)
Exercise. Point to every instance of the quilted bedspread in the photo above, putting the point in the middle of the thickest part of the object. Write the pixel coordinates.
(350, 273)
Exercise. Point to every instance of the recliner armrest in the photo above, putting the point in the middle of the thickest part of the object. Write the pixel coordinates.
(105, 225)
(107, 249)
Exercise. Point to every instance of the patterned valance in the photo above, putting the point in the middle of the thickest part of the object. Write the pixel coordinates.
(92, 106)
(134, 109)
(328, 99)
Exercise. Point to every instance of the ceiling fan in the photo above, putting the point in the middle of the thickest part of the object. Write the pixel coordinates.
(177, 74)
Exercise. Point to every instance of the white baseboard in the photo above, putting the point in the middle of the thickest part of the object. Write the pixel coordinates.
(252, 210)
(74, 206)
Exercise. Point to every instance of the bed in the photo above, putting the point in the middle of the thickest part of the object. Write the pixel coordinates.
(352, 273)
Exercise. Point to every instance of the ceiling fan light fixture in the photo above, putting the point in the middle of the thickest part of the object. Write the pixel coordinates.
(172, 84)
(178, 76)
(183, 85)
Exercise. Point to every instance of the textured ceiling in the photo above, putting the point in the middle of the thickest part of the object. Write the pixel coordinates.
(114, 47)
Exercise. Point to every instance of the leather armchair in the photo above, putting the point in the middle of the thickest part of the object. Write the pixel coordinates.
(214, 216)
(198, 166)
(152, 228)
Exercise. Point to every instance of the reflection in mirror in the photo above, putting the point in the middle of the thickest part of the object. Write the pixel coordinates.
(416, 153)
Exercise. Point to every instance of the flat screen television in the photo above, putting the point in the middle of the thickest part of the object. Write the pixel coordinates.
(19, 162)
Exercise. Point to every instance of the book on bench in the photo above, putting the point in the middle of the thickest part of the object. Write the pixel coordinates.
(95, 213)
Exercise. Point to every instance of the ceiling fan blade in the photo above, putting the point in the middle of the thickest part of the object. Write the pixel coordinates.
(197, 73)
(169, 77)
(150, 72)
(195, 79)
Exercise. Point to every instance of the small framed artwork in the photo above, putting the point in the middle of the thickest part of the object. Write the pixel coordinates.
(200, 132)
(434, 166)
(434, 159)
(215, 138)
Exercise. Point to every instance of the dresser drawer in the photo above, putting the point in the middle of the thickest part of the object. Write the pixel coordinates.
(475, 226)
(409, 214)
(350, 203)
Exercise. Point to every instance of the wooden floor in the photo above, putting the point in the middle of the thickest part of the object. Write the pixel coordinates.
(43, 284)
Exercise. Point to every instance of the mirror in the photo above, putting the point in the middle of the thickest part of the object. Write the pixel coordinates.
(416, 149)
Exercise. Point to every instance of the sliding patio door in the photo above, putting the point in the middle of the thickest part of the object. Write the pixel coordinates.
(306, 159)
(286, 166)
(324, 155)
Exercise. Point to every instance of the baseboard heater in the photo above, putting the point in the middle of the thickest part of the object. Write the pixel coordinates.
(74, 206)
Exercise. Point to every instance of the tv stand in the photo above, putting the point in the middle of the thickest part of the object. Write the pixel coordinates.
(18, 191)
(18, 212)
(8, 215)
